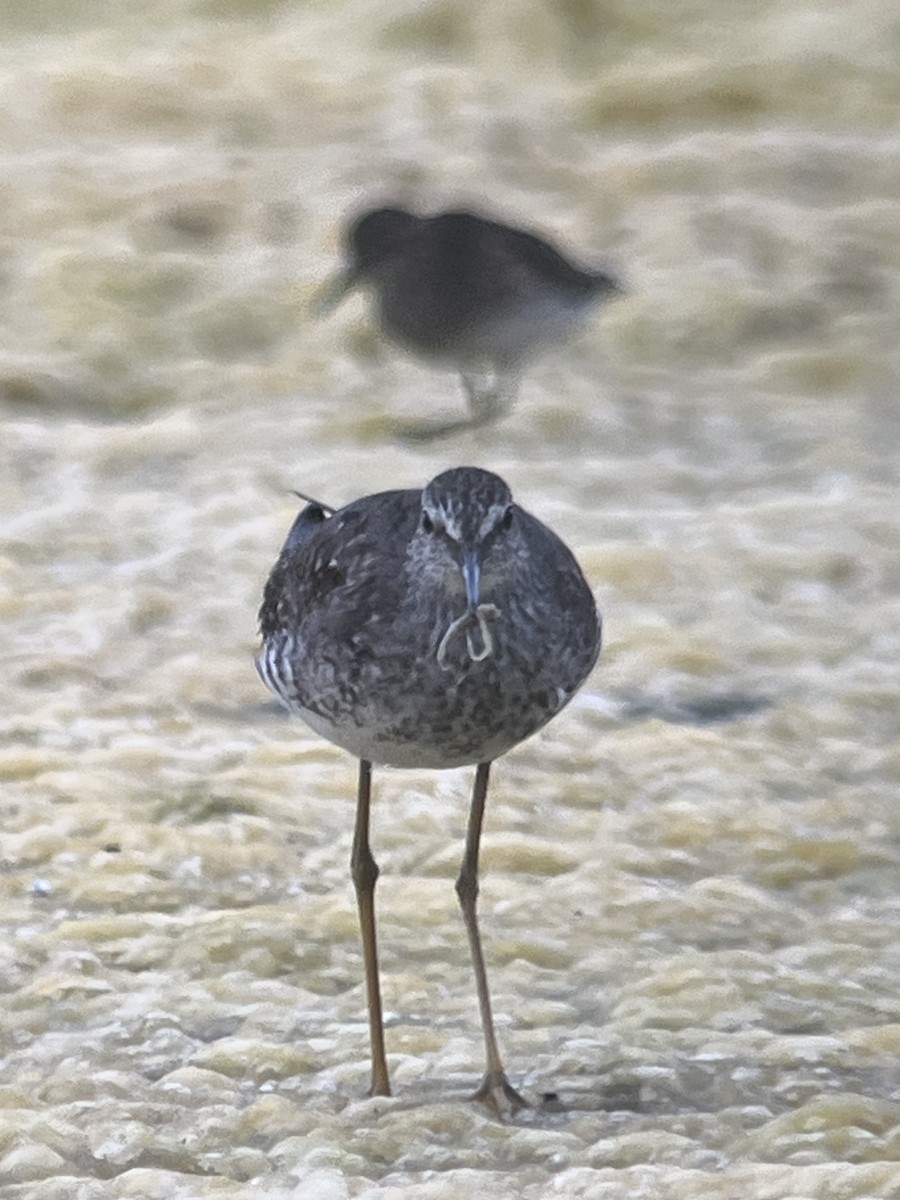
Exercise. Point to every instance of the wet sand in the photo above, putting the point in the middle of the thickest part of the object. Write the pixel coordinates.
(689, 894)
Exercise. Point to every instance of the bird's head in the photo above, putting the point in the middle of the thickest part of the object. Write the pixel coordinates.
(466, 513)
(370, 241)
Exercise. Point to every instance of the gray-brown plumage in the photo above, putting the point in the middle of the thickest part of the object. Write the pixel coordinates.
(431, 628)
(463, 291)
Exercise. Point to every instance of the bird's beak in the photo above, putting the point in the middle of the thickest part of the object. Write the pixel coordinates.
(471, 569)
(329, 296)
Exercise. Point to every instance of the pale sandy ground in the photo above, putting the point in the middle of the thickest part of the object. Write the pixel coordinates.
(690, 879)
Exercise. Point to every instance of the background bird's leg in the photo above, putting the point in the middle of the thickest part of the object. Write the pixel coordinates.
(489, 396)
(495, 1088)
(364, 870)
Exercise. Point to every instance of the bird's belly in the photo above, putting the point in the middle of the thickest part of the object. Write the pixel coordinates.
(433, 719)
(524, 331)
(475, 338)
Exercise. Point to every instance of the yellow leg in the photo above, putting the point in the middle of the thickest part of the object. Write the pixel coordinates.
(495, 1090)
(364, 870)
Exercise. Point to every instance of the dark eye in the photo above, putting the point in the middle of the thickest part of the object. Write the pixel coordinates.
(507, 519)
(427, 523)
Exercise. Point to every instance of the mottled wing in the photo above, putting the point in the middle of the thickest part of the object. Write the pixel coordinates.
(571, 598)
(333, 581)
(515, 261)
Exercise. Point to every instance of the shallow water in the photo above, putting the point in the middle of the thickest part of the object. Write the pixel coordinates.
(689, 897)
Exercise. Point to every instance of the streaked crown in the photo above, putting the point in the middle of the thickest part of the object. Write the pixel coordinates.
(466, 503)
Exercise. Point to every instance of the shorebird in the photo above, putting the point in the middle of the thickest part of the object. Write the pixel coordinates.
(427, 628)
(463, 291)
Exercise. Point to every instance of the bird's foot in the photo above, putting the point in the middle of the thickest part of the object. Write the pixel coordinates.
(487, 404)
(499, 1095)
(489, 397)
